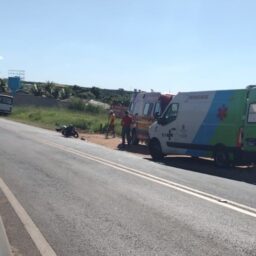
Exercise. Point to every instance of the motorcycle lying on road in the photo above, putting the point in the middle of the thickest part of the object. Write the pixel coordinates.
(68, 131)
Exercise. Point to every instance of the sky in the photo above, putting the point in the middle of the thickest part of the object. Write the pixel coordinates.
(164, 45)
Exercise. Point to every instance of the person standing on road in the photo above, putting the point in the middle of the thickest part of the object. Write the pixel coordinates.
(111, 124)
(126, 123)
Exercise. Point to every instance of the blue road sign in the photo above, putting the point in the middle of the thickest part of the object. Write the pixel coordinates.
(14, 83)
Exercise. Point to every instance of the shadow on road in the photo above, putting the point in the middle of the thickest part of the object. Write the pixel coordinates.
(239, 173)
(137, 149)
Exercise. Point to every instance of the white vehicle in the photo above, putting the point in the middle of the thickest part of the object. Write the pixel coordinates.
(144, 108)
(6, 102)
(217, 124)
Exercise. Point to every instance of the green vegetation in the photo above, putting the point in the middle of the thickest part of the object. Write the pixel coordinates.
(77, 111)
(92, 119)
(3, 86)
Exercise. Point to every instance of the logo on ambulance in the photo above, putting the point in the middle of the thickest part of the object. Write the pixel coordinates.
(222, 112)
(168, 135)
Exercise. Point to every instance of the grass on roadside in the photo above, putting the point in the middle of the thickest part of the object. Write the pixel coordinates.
(51, 117)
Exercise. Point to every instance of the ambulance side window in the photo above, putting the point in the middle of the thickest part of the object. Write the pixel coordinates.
(171, 113)
(252, 113)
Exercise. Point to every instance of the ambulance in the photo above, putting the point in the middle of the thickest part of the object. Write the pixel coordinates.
(144, 108)
(217, 124)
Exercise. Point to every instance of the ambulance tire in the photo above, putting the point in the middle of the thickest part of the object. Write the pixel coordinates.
(155, 150)
(221, 157)
(134, 139)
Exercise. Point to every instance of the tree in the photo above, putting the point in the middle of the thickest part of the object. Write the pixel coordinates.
(55, 93)
(37, 90)
(49, 88)
(3, 87)
(86, 95)
(96, 92)
(65, 93)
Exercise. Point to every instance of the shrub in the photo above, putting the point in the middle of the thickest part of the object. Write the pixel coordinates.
(94, 109)
(77, 104)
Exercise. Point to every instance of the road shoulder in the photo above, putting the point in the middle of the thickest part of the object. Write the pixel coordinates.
(20, 241)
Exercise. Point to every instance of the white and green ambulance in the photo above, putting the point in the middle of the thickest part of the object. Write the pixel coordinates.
(217, 124)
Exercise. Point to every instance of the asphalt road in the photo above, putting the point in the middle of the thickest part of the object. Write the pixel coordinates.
(90, 200)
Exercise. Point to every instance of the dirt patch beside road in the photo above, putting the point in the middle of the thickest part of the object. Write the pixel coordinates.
(114, 143)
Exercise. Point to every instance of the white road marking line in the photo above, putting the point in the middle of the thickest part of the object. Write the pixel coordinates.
(185, 189)
(37, 237)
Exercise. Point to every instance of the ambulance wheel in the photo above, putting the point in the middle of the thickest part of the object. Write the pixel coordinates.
(135, 140)
(155, 150)
(221, 158)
